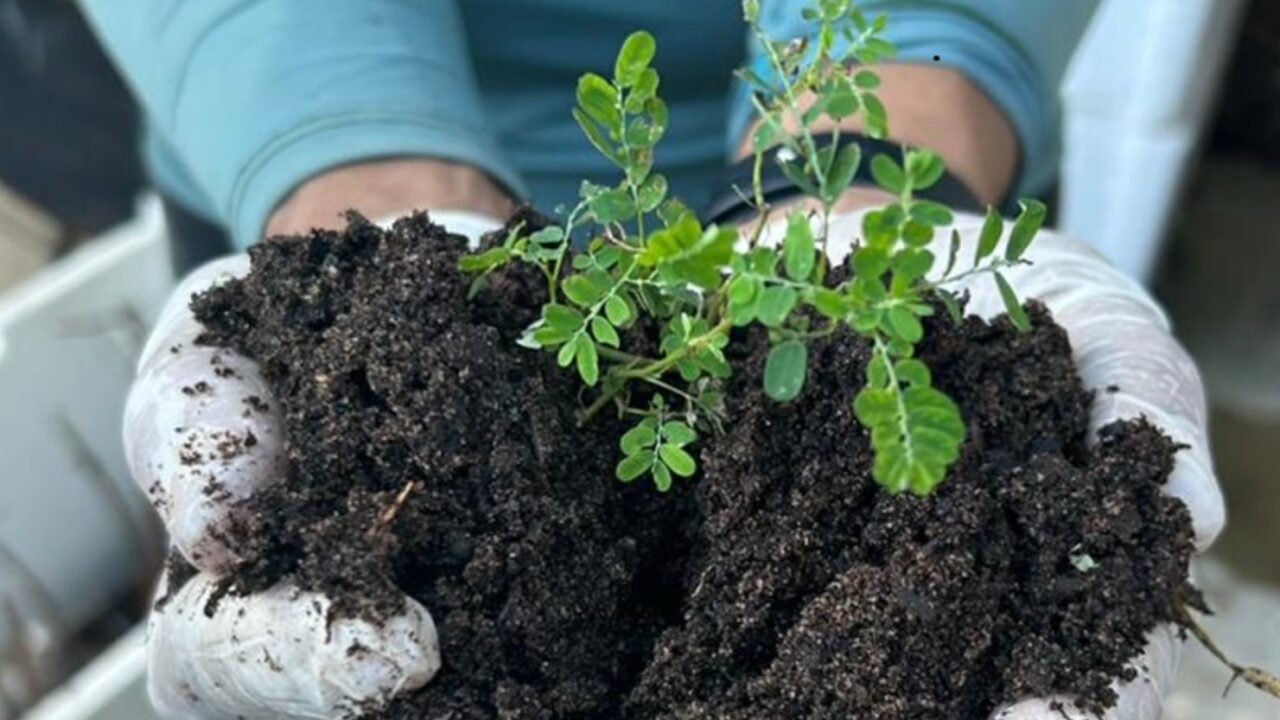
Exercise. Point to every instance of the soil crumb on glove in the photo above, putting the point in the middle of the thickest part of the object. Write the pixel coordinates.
(431, 455)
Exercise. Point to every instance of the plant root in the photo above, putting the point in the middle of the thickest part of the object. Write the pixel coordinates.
(389, 515)
(1257, 677)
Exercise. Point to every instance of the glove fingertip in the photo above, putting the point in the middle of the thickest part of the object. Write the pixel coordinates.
(176, 328)
(1196, 486)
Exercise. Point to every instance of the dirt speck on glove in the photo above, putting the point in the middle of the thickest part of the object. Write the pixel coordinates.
(780, 583)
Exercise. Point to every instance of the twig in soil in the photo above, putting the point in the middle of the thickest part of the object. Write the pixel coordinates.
(1257, 677)
(389, 515)
(702, 581)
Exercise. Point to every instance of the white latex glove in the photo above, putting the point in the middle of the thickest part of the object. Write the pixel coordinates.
(270, 654)
(1120, 337)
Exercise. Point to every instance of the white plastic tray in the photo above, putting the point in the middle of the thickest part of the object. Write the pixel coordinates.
(75, 534)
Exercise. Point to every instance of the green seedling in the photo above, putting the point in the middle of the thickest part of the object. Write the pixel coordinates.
(650, 260)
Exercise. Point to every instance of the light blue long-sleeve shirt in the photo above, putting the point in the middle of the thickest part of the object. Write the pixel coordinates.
(246, 99)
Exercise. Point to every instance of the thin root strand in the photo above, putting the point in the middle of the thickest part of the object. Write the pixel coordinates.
(1257, 677)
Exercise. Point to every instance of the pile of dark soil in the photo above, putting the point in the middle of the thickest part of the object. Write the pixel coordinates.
(780, 583)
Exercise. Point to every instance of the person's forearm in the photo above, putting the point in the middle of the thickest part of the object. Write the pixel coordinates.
(382, 187)
(940, 110)
(258, 99)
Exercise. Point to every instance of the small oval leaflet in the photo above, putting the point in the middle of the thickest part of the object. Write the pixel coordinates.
(784, 371)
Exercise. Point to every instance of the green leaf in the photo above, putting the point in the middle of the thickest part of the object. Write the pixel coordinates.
(588, 361)
(913, 372)
(815, 110)
(763, 261)
(830, 303)
(843, 169)
(743, 290)
(592, 130)
(612, 205)
(888, 174)
(869, 289)
(881, 227)
(581, 291)
(878, 373)
(876, 406)
(713, 362)
(744, 313)
(1017, 315)
(925, 169)
(766, 135)
(599, 100)
(913, 263)
(876, 116)
(642, 133)
(485, 261)
(795, 172)
(952, 252)
(633, 466)
(678, 433)
(916, 435)
(652, 192)
(900, 348)
(680, 461)
(617, 310)
(866, 80)
(638, 438)
(645, 89)
(561, 317)
(661, 477)
(776, 303)
(784, 370)
(1025, 228)
(881, 48)
(604, 332)
(931, 213)
(550, 235)
(607, 257)
(905, 324)
(871, 262)
(656, 109)
(917, 234)
(798, 250)
(950, 302)
(546, 337)
(570, 349)
(842, 103)
(702, 262)
(634, 58)
(989, 237)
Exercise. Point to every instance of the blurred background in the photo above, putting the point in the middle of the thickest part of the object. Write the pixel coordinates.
(1171, 167)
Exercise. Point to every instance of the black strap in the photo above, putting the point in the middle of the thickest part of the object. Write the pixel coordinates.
(734, 203)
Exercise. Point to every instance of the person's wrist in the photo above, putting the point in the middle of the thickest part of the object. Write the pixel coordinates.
(381, 188)
(974, 137)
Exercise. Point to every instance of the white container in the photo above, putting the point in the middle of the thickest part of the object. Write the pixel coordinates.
(75, 534)
(112, 687)
(1135, 99)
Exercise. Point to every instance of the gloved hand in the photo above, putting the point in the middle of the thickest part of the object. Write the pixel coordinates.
(271, 654)
(1120, 338)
